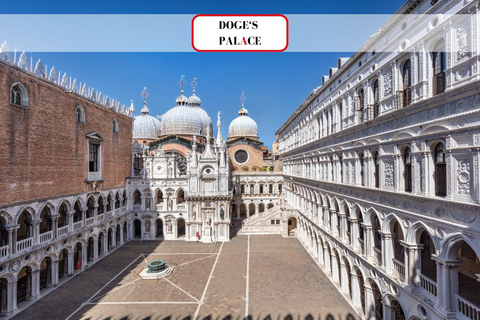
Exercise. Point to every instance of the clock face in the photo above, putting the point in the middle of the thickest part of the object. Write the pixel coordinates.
(159, 168)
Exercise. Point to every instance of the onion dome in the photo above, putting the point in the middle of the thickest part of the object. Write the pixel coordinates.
(194, 100)
(146, 127)
(243, 125)
(182, 119)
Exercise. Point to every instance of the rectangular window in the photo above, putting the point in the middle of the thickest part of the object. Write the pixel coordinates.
(93, 158)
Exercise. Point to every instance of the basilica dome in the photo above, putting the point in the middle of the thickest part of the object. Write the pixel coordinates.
(194, 102)
(243, 126)
(146, 127)
(183, 119)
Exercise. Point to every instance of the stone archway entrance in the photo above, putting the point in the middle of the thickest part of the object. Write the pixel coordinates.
(159, 228)
(292, 226)
(180, 228)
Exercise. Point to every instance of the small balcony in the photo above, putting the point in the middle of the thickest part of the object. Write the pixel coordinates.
(24, 244)
(62, 231)
(46, 236)
(466, 310)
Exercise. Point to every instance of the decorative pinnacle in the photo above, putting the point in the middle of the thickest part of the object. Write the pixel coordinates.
(243, 97)
(182, 82)
(144, 95)
(194, 84)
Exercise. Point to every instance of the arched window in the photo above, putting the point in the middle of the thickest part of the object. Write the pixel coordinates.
(360, 104)
(79, 115)
(440, 170)
(115, 126)
(439, 66)
(406, 93)
(407, 163)
(19, 94)
(376, 100)
(376, 173)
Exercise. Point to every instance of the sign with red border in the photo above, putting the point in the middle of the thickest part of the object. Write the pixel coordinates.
(240, 33)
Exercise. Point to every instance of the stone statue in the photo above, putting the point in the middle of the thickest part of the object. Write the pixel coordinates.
(170, 203)
(169, 226)
(194, 215)
(147, 226)
(207, 219)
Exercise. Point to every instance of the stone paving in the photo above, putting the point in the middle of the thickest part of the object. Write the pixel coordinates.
(209, 282)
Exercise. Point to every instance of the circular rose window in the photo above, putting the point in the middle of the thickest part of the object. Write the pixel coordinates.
(241, 156)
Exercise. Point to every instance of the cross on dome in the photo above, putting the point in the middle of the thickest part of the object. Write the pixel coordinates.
(243, 97)
(194, 84)
(144, 95)
(181, 83)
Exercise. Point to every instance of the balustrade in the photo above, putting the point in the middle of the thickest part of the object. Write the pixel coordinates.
(467, 309)
(47, 236)
(428, 285)
(100, 217)
(62, 231)
(90, 221)
(4, 251)
(24, 244)
(399, 268)
(78, 225)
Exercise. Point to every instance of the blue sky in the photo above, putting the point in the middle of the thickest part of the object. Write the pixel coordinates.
(274, 83)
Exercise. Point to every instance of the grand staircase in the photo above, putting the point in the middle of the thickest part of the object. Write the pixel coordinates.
(267, 222)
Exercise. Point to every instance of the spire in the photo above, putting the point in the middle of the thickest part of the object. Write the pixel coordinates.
(243, 111)
(208, 154)
(144, 95)
(181, 83)
(131, 109)
(194, 151)
(182, 100)
(219, 133)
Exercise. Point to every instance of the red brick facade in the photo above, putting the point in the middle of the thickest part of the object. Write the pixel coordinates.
(43, 150)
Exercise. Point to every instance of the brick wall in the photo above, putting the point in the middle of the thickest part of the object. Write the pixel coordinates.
(43, 151)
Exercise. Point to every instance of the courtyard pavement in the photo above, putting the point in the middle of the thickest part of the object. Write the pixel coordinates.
(253, 277)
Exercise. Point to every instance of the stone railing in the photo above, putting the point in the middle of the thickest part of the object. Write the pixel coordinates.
(399, 268)
(89, 221)
(109, 214)
(77, 225)
(47, 236)
(4, 251)
(24, 244)
(429, 287)
(137, 207)
(117, 211)
(100, 217)
(466, 309)
(62, 231)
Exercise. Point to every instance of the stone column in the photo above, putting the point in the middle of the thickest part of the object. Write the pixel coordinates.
(387, 251)
(356, 296)
(354, 234)
(256, 208)
(55, 227)
(121, 235)
(447, 283)
(12, 297)
(114, 238)
(95, 249)
(36, 233)
(84, 256)
(369, 304)
(70, 263)
(334, 266)
(343, 229)
(70, 220)
(12, 240)
(344, 277)
(388, 312)
(35, 285)
(54, 273)
(368, 242)
(412, 263)
(320, 252)
(327, 259)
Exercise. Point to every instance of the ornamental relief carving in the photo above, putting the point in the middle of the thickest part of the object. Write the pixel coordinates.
(389, 174)
(463, 30)
(463, 177)
(387, 82)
